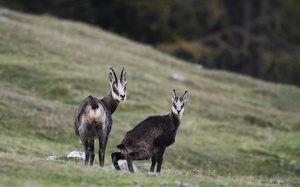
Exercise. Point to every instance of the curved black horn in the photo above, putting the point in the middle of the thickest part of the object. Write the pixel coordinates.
(121, 77)
(116, 80)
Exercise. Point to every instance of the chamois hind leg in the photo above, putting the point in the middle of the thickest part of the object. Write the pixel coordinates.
(87, 152)
(160, 155)
(85, 143)
(140, 155)
(115, 157)
(153, 162)
(102, 147)
(92, 153)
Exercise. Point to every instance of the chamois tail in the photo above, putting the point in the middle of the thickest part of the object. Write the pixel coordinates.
(95, 110)
(121, 146)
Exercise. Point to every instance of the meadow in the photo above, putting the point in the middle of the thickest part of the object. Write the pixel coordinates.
(235, 131)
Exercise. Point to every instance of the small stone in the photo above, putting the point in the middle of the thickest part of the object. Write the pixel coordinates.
(51, 158)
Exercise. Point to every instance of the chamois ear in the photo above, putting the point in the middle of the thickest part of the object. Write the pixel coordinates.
(124, 78)
(110, 79)
(173, 94)
(185, 96)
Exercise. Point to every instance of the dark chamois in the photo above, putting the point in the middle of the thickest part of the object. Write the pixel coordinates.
(151, 137)
(93, 118)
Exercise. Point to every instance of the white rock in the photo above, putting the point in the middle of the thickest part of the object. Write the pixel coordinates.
(178, 77)
(184, 184)
(51, 158)
(76, 154)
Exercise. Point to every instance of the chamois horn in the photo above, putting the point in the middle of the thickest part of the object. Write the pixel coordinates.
(121, 77)
(116, 80)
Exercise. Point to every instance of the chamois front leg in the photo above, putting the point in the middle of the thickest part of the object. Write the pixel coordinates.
(129, 163)
(160, 155)
(153, 162)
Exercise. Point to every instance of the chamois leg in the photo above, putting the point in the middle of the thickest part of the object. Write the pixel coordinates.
(101, 153)
(102, 146)
(101, 157)
(115, 157)
(92, 153)
(153, 162)
(87, 152)
(129, 163)
(85, 143)
(140, 155)
(160, 155)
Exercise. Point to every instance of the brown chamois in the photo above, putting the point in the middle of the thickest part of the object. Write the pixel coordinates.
(93, 118)
(151, 137)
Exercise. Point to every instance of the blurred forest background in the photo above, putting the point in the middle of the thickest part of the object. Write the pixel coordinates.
(260, 38)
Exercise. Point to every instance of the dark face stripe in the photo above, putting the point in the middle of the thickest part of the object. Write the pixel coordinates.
(115, 90)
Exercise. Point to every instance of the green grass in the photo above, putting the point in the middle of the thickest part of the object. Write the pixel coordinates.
(235, 131)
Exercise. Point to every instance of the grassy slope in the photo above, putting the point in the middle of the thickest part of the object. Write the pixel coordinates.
(235, 131)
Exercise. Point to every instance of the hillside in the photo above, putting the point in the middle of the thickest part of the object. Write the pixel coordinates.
(236, 131)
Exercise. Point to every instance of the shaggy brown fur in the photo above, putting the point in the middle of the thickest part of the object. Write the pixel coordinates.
(151, 137)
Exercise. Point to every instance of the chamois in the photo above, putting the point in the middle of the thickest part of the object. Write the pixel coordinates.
(93, 118)
(151, 137)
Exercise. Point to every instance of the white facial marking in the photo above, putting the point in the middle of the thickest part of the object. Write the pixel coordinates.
(118, 86)
(177, 106)
(119, 91)
(178, 103)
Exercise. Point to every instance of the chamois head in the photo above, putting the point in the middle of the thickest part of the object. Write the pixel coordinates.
(178, 103)
(118, 87)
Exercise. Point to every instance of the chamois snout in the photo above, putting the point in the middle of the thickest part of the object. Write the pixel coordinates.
(123, 97)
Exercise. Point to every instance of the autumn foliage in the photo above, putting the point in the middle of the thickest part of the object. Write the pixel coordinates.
(259, 38)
